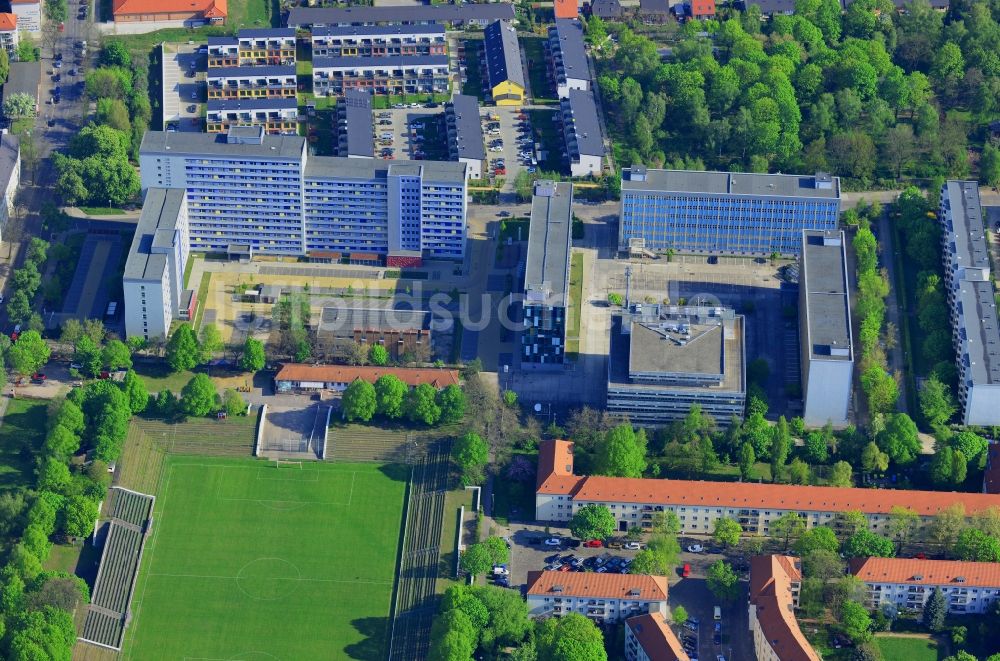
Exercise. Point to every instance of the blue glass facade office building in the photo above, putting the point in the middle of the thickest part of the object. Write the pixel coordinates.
(724, 212)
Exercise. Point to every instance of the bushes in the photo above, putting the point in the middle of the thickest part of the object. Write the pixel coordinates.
(25, 282)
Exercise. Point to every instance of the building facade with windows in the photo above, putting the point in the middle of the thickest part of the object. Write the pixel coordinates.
(775, 582)
(600, 597)
(29, 15)
(826, 339)
(252, 82)
(650, 638)
(253, 48)
(972, 302)
(275, 116)
(724, 212)
(9, 34)
(665, 359)
(502, 59)
(546, 276)
(379, 41)
(384, 74)
(968, 587)
(582, 133)
(698, 504)
(153, 286)
(568, 57)
(264, 193)
(10, 177)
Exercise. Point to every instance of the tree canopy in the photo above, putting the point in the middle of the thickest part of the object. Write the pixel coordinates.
(593, 522)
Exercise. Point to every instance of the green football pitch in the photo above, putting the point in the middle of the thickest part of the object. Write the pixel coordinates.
(252, 562)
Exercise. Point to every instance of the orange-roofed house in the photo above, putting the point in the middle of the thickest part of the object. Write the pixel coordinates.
(566, 9)
(775, 581)
(295, 376)
(698, 504)
(702, 9)
(968, 587)
(8, 33)
(602, 597)
(649, 638)
(171, 13)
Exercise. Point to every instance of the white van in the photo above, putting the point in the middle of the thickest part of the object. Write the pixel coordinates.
(717, 613)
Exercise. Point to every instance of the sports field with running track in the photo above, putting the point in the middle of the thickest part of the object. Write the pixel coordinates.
(248, 561)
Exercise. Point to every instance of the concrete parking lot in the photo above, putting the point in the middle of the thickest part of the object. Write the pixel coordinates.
(183, 86)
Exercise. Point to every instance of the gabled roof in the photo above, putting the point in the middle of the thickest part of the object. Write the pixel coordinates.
(656, 638)
(927, 572)
(555, 461)
(439, 378)
(634, 587)
(207, 8)
(566, 8)
(606, 8)
(8, 22)
(503, 54)
(771, 578)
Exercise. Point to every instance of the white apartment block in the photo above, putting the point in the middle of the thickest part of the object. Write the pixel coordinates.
(968, 587)
(698, 504)
(154, 271)
(601, 597)
(395, 74)
(253, 47)
(970, 293)
(10, 176)
(29, 15)
(650, 638)
(775, 582)
(378, 40)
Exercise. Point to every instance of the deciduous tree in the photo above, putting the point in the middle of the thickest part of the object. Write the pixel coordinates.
(723, 581)
(252, 359)
(471, 453)
(359, 402)
(451, 401)
(571, 637)
(421, 406)
(593, 522)
(390, 391)
(28, 354)
(623, 453)
(183, 352)
(866, 544)
(198, 396)
(727, 532)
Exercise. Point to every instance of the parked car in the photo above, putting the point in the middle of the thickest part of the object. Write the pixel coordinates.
(695, 548)
(500, 570)
(566, 568)
(716, 639)
(502, 582)
(633, 546)
(38, 377)
(685, 570)
(552, 558)
(717, 627)
(691, 625)
(553, 541)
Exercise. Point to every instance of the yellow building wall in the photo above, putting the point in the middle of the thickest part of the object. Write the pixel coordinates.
(508, 93)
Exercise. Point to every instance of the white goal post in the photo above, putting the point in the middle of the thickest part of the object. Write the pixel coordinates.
(287, 463)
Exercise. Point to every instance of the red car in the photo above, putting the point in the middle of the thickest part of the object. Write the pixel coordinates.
(62, 27)
(686, 570)
(38, 377)
(593, 543)
(920, 556)
(566, 567)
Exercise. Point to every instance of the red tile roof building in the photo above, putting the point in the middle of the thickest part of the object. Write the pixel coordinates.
(190, 12)
(337, 377)
(698, 504)
(650, 638)
(774, 594)
(566, 9)
(702, 9)
(602, 597)
(968, 587)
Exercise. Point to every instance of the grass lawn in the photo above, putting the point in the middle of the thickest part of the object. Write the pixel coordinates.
(453, 500)
(249, 14)
(102, 211)
(575, 303)
(206, 280)
(21, 437)
(911, 649)
(251, 561)
(473, 72)
(157, 377)
(538, 72)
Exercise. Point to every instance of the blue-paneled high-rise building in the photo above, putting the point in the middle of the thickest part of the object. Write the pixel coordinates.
(727, 213)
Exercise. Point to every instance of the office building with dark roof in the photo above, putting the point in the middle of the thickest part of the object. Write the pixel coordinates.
(386, 74)
(472, 13)
(825, 329)
(354, 127)
(582, 135)
(724, 213)
(568, 57)
(664, 359)
(154, 271)
(465, 134)
(378, 40)
(972, 299)
(502, 59)
(546, 275)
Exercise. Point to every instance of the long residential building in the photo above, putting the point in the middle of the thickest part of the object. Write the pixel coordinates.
(465, 134)
(261, 193)
(10, 177)
(568, 57)
(546, 276)
(971, 298)
(253, 47)
(294, 376)
(582, 133)
(826, 339)
(170, 13)
(724, 212)
(775, 582)
(601, 597)
(387, 74)
(502, 60)
(650, 638)
(154, 271)
(968, 587)
(473, 13)
(378, 41)
(665, 359)
(273, 115)
(252, 82)
(698, 504)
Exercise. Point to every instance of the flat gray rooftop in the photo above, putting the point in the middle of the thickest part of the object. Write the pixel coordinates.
(376, 30)
(334, 167)
(271, 147)
(585, 125)
(981, 340)
(303, 16)
(155, 228)
(338, 319)
(824, 281)
(968, 232)
(281, 103)
(731, 183)
(356, 122)
(549, 236)
(468, 127)
(250, 71)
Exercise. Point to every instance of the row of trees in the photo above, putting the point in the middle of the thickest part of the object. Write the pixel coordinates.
(185, 350)
(391, 398)
(485, 622)
(866, 93)
(24, 284)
